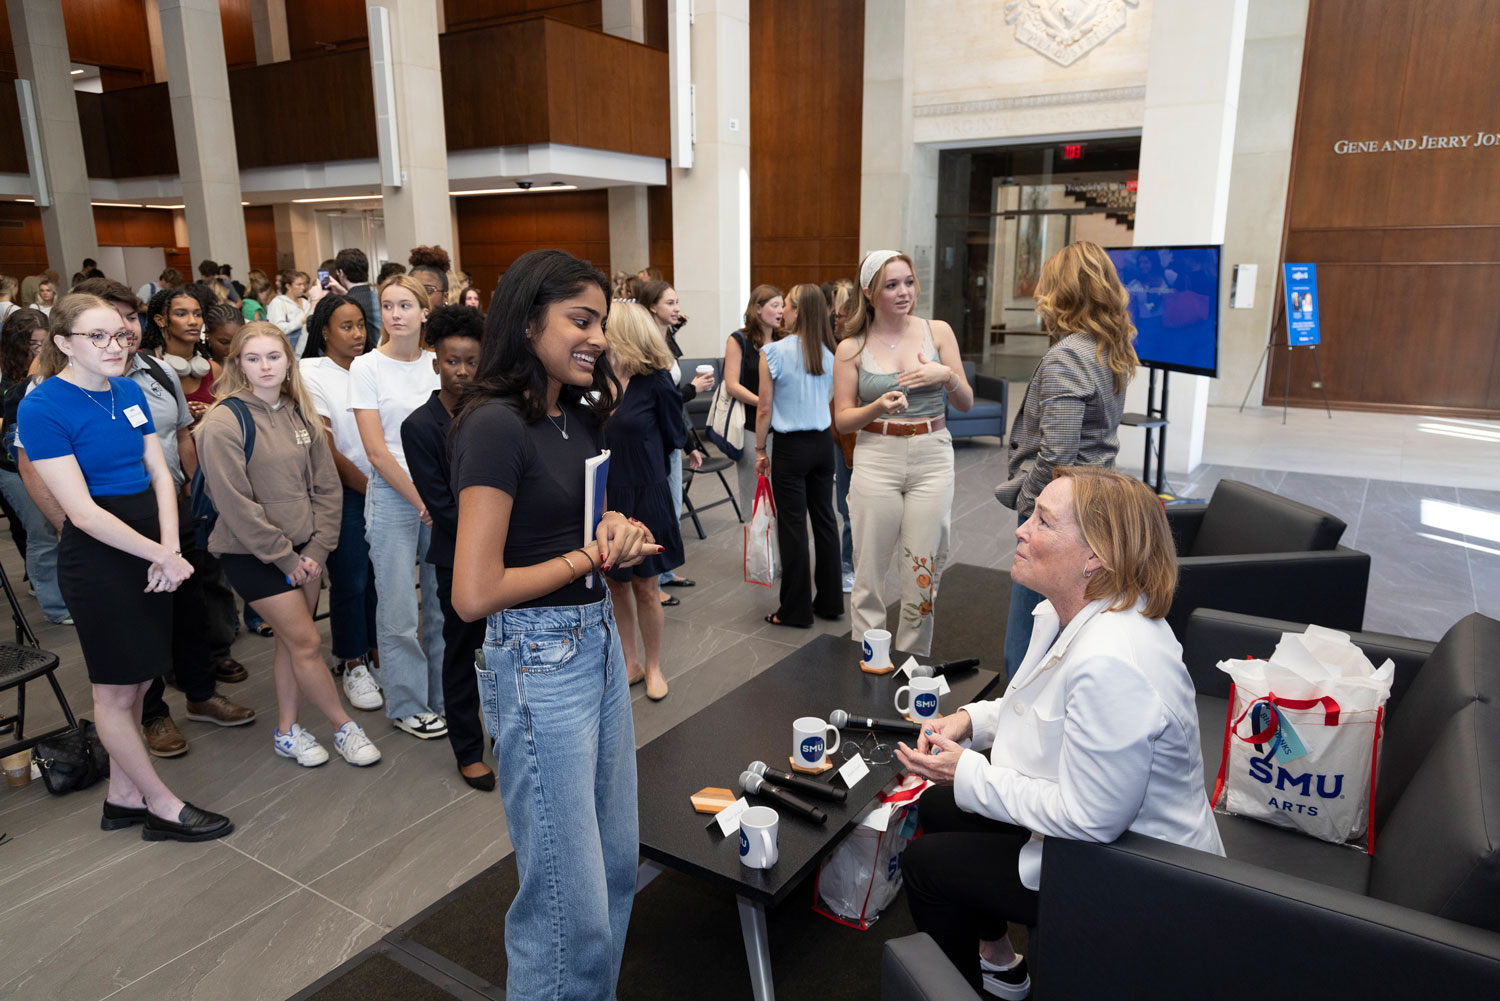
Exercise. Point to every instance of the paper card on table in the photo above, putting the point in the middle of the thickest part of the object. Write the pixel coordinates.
(853, 770)
(905, 668)
(943, 688)
(728, 818)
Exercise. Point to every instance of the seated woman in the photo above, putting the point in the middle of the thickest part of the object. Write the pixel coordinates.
(1096, 735)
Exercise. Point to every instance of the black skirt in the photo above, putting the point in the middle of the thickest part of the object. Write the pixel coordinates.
(124, 630)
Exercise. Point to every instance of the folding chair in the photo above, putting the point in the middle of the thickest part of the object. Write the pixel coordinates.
(710, 465)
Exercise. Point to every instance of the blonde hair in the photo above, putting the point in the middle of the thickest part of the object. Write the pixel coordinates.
(843, 294)
(635, 342)
(862, 314)
(411, 285)
(232, 378)
(1125, 525)
(1079, 292)
(60, 322)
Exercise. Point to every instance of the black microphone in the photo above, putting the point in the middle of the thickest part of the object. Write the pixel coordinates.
(754, 784)
(949, 668)
(841, 719)
(798, 783)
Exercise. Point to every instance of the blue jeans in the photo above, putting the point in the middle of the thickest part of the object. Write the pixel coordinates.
(841, 474)
(1023, 600)
(41, 547)
(555, 700)
(674, 483)
(411, 668)
(351, 584)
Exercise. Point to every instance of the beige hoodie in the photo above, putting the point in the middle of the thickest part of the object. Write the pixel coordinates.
(289, 493)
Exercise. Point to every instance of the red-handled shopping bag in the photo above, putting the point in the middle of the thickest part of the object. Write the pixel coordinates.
(762, 554)
(863, 875)
(1302, 736)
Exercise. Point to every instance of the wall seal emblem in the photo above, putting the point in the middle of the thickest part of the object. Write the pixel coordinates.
(1066, 30)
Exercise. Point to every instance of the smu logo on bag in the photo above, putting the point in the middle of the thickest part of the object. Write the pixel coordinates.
(811, 748)
(925, 704)
(893, 866)
(1260, 771)
(744, 845)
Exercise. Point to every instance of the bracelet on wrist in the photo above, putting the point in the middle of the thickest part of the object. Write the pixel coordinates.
(593, 567)
(571, 567)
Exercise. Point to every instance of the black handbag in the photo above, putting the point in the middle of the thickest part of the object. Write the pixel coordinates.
(73, 760)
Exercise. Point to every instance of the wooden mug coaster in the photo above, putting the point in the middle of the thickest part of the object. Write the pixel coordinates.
(889, 667)
(908, 717)
(825, 766)
(712, 799)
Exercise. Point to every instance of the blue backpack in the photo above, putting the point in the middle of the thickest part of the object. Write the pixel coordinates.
(205, 515)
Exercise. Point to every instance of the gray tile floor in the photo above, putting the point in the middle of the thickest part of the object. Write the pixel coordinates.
(325, 861)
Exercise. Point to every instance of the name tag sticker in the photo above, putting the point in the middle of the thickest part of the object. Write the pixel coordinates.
(134, 416)
(853, 770)
(728, 818)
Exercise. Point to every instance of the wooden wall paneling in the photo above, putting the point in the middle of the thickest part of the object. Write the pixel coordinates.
(320, 26)
(112, 35)
(23, 246)
(121, 227)
(13, 151)
(650, 106)
(461, 14)
(239, 33)
(94, 131)
(656, 24)
(493, 230)
(483, 71)
(7, 49)
(313, 109)
(659, 228)
(1451, 243)
(583, 69)
(138, 131)
(260, 235)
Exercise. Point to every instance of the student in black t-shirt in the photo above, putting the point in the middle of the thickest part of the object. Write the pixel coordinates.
(553, 689)
(454, 333)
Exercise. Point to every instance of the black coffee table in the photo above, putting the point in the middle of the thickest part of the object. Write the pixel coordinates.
(754, 722)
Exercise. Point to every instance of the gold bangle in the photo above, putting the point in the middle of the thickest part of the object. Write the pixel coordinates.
(572, 569)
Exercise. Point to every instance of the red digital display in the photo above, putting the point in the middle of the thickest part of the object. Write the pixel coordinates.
(1073, 151)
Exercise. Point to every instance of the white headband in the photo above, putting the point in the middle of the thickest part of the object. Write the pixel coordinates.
(874, 261)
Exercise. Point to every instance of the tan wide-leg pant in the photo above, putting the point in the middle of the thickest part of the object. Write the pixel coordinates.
(900, 508)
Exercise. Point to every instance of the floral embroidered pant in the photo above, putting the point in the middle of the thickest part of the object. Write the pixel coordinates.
(901, 510)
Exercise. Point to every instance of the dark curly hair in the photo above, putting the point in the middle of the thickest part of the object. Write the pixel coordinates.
(154, 340)
(15, 343)
(433, 258)
(508, 365)
(318, 320)
(453, 321)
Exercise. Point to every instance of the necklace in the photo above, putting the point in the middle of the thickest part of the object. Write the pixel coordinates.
(563, 429)
(109, 409)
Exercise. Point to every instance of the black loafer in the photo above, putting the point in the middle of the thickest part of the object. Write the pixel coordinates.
(117, 818)
(672, 601)
(680, 582)
(192, 824)
(484, 783)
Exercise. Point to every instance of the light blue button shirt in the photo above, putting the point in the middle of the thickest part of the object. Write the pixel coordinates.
(799, 402)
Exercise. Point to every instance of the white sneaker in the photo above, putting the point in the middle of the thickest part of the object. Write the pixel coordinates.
(350, 741)
(423, 725)
(299, 745)
(848, 583)
(361, 688)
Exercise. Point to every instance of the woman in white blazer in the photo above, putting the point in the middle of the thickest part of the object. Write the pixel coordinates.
(1097, 733)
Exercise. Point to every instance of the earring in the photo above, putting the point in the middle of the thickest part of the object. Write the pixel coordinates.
(1088, 573)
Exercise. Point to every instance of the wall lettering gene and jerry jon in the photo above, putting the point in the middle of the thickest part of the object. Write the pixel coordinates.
(1424, 142)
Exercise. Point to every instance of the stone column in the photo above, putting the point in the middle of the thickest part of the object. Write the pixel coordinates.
(417, 212)
(898, 177)
(207, 161)
(41, 46)
(711, 199)
(273, 43)
(629, 217)
(1187, 146)
(296, 237)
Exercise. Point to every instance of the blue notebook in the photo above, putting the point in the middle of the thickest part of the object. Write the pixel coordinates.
(595, 479)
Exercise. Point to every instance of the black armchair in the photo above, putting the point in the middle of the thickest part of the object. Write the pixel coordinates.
(1249, 550)
(913, 968)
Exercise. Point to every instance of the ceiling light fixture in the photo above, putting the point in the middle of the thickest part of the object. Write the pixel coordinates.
(336, 198)
(77, 72)
(116, 205)
(165, 206)
(534, 189)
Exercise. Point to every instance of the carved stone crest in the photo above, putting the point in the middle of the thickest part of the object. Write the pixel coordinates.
(1066, 30)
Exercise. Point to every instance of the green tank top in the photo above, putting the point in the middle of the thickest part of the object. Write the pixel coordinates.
(921, 404)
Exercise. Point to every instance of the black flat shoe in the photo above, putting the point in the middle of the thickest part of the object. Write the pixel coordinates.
(772, 618)
(117, 818)
(672, 601)
(830, 618)
(680, 582)
(484, 783)
(192, 824)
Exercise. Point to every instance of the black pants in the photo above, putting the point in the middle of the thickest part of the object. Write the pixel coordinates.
(194, 633)
(962, 883)
(461, 640)
(802, 484)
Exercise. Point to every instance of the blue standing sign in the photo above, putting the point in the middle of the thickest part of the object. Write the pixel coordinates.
(1301, 282)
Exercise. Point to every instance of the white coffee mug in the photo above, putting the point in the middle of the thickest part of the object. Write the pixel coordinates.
(877, 648)
(705, 370)
(923, 703)
(812, 741)
(758, 845)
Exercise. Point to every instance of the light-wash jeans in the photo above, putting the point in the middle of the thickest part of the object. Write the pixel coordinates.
(411, 668)
(1018, 624)
(41, 547)
(555, 700)
(674, 483)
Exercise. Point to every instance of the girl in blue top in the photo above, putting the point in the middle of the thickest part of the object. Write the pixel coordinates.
(88, 432)
(796, 380)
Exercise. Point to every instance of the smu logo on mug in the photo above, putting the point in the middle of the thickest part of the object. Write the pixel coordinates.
(744, 845)
(812, 748)
(869, 653)
(925, 704)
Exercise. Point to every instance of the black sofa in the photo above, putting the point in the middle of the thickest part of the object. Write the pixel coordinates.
(1249, 550)
(1421, 917)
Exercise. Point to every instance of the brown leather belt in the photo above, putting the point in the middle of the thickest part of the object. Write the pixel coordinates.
(906, 429)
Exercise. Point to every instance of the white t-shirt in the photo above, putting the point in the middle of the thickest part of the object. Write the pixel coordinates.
(329, 386)
(395, 389)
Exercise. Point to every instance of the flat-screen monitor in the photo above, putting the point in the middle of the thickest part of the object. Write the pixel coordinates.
(1174, 304)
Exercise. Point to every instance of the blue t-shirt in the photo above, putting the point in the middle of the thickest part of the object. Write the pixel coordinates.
(799, 402)
(58, 418)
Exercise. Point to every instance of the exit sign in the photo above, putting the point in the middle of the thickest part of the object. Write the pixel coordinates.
(1073, 151)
